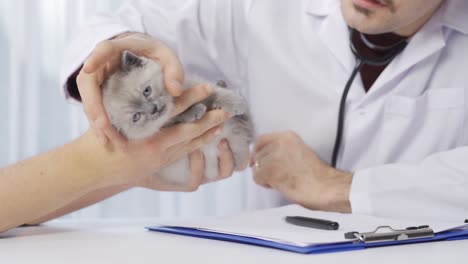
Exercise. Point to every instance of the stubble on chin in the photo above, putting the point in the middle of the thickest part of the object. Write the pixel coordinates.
(361, 10)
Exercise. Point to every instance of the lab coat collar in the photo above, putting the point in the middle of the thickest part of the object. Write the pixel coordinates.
(427, 42)
(321, 7)
(455, 15)
(333, 31)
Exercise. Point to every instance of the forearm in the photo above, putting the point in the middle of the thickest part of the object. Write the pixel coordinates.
(39, 185)
(82, 202)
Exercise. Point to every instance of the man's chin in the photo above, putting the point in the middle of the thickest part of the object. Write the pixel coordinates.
(366, 25)
(366, 29)
(364, 21)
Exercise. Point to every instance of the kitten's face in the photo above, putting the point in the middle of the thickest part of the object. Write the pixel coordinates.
(135, 98)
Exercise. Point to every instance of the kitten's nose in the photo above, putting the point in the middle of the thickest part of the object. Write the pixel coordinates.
(154, 109)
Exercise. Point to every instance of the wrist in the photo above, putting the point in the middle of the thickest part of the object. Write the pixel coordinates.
(337, 190)
(103, 164)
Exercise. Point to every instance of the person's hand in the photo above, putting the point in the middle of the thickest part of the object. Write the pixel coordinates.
(104, 60)
(197, 171)
(284, 162)
(141, 159)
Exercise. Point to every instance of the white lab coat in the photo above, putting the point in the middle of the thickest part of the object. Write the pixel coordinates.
(405, 140)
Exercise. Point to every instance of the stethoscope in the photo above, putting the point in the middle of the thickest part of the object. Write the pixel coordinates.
(392, 52)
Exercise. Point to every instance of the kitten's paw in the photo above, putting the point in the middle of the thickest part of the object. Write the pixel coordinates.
(235, 107)
(198, 111)
(192, 114)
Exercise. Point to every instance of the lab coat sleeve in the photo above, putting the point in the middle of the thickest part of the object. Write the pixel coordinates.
(207, 35)
(436, 188)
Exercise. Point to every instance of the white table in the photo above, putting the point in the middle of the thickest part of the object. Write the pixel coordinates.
(129, 242)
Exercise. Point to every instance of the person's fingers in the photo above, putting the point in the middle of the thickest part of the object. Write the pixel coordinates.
(107, 52)
(265, 151)
(264, 140)
(262, 173)
(103, 53)
(89, 81)
(182, 133)
(197, 177)
(259, 179)
(96, 67)
(190, 97)
(244, 166)
(225, 160)
(181, 149)
(173, 70)
(103, 140)
(164, 185)
(113, 135)
(90, 91)
(197, 164)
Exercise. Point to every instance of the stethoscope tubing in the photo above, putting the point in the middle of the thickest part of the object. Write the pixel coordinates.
(361, 60)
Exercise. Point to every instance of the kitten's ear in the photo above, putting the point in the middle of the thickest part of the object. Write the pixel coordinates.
(129, 61)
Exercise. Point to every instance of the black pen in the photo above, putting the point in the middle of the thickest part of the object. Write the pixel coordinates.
(312, 222)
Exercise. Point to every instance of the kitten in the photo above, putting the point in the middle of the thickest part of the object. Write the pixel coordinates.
(139, 106)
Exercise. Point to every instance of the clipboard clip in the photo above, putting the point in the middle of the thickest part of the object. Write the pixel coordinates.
(387, 233)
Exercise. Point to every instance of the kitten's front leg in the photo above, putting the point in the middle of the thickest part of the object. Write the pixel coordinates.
(193, 113)
(229, 101)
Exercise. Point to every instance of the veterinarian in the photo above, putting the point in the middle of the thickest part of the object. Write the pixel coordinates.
(377, 88)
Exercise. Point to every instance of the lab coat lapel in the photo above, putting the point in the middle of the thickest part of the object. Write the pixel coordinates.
(429, 40)
(334, 34)
(424, 44)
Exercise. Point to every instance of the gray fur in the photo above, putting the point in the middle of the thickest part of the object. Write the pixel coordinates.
(124, 96)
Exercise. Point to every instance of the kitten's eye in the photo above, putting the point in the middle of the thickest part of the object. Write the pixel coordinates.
(147, 91)
(136, 117)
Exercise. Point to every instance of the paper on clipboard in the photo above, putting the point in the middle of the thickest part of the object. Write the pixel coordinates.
(269, 225)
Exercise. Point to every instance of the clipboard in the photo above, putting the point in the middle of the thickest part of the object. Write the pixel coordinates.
(379, 236)
(356, 244)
